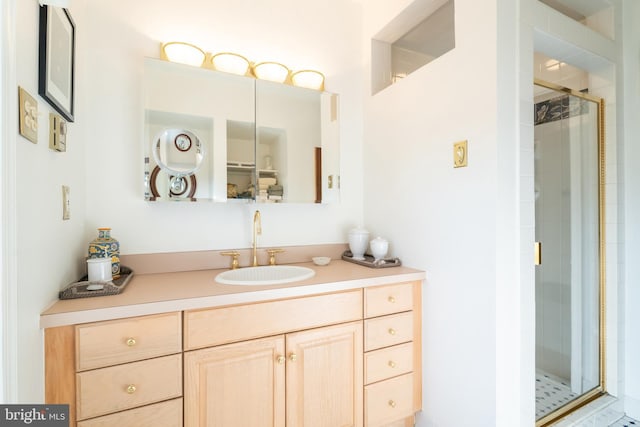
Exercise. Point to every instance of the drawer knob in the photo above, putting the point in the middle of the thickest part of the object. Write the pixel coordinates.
(392, 364)
(392, 403)
(131, 342)
(392, 331)
(391, 299)
(280, 360)
(293, 357)
(131, 389)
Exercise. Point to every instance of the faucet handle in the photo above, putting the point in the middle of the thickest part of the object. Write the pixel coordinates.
(272, 255)
(234, 258)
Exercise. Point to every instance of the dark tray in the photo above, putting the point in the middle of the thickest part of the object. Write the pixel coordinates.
(369, 261)
(79, 289)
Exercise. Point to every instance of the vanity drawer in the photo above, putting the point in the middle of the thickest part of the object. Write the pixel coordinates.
(116, 388)
(381, 300)
(210, 327)
(388, 362)
(388, 401)
(119, 341)
(388, 330)
(165, 414)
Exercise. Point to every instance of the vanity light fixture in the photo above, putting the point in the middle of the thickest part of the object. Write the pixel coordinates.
(230, 63)
(183, 53)
(310, 79)
(272, 71)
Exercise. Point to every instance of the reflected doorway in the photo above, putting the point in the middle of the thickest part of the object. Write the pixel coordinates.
(569, 223)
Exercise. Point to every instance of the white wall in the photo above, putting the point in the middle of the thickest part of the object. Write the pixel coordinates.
(629, 128)
(441, 219)
(323, 36)
(50, 251)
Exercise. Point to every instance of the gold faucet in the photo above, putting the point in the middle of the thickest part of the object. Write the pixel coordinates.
(257, 229)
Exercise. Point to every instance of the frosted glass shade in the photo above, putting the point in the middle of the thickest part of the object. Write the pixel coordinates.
(183, 53)
(308, 78)
(230, 63)
(272, 71)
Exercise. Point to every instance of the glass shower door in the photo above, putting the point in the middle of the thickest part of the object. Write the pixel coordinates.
(568, 219)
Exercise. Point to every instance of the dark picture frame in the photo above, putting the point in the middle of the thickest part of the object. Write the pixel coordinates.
(56, 60)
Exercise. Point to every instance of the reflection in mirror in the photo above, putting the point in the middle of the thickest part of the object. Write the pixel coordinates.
(241, 164)
(178, 151)
(257, 140)
(296, 129)
(179, 154)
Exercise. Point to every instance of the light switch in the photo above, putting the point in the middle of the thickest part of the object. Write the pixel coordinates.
(66, 203)
(57, 132)
(28, 121)
(460, 154)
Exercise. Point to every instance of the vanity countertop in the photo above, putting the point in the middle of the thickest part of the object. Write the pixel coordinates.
(187, 290)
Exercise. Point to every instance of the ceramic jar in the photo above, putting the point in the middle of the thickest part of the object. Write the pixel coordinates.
(99, 270)
(358, 242)
(105, 246)
(379, 248)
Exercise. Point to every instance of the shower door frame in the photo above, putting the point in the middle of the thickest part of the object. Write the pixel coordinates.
(600, 389)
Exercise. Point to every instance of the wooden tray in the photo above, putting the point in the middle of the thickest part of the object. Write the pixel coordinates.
(369, 261)
(79, 289)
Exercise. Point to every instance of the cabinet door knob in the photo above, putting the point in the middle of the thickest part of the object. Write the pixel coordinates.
(392, 403)
(392, 364)
(392, 331)
(391, 299)
(293, 357)
(131, 342)
(280, 360)
(131, 388)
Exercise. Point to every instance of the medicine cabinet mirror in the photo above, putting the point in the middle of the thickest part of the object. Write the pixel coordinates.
(216, 136)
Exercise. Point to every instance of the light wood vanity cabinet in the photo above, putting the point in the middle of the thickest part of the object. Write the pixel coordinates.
(349, 358)
(392, 358)
(105, 370)
(304, 374)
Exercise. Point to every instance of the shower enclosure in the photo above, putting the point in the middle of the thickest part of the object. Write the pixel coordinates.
(569, 219)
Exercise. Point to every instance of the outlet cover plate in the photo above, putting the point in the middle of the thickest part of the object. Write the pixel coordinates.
(460, 154)
(57, 132)
(28, 110)
(66, 203)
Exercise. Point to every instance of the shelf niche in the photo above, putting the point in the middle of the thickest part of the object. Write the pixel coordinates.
(420, 34)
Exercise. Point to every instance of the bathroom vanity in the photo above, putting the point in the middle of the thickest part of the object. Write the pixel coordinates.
(342, 348)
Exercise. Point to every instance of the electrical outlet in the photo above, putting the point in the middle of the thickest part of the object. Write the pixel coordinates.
(28, 110)
(66, 203)
(460, 154)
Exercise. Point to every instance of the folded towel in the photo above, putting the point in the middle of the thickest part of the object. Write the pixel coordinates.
(267, 181)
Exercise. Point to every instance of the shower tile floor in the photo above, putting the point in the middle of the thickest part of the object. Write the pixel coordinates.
(626, 422)
(551, 393)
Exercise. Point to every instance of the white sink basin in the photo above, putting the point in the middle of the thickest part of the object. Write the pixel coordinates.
(265, 275)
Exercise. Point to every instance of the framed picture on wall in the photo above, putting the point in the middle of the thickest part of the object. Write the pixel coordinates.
(57, 59)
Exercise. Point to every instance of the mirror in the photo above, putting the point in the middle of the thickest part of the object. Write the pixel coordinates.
(179, 154)
(222, 137)
(178, 151)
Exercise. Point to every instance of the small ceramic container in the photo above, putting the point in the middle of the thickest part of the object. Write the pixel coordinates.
(321, 260)
(99, 269)
(379, 248)
(358, 242)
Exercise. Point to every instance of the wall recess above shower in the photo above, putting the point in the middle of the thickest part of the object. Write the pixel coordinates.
(422, 32)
